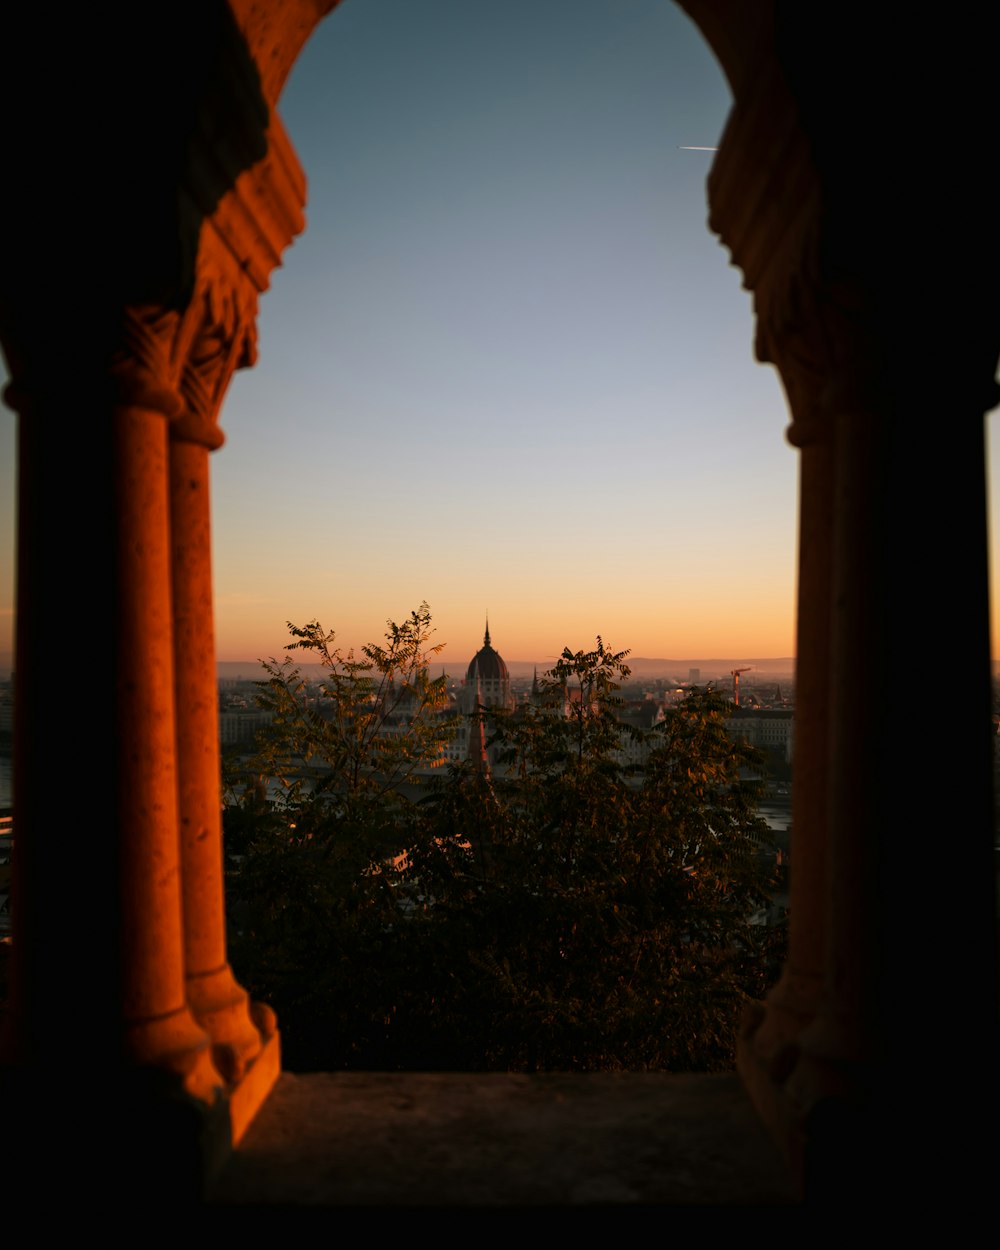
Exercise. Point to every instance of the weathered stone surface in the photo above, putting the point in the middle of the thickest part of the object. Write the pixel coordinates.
(505, 1141)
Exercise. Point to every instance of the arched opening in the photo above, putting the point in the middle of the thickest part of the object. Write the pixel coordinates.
(840, 314)
(507, 367)
(514, 362)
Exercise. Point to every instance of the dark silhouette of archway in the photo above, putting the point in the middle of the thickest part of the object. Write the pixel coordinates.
(122, 318)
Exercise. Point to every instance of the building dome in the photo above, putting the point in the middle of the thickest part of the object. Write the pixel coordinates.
(487, 664)
(487, 679)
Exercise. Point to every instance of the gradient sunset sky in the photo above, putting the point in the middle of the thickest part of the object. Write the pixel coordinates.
(507, 369)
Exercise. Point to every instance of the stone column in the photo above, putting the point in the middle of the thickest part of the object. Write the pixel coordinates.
(159, 1028)
(221, 1006)
(157, 1024)
(768, 1046)
(239, 246)
(98, 948)
(892, 599)
(186, 189)
(766, 205)
(866, 259)
(908, 874)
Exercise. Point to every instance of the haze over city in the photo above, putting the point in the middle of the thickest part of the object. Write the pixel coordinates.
(507, 369)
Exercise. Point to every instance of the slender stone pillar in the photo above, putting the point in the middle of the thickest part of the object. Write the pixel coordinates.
(239, 246)
(803, 977)
(766, 205)
(159, 1028)
(769, 1043)
(877, 1068)
(221, 1006)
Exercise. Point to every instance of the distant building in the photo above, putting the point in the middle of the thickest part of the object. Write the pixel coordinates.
(241, 726)
(765, 728)
(487, 684)
(642, 715)
(487, 679)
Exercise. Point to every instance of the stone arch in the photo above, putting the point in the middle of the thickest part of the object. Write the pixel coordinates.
(122, 329)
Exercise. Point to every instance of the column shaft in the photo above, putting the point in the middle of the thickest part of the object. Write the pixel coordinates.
(218, 1002)
(159, 1027)
(910, 935)
(770, 1034)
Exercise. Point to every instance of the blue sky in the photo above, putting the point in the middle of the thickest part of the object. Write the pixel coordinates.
(506, 369)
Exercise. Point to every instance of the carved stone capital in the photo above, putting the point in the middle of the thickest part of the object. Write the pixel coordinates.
(147, 363)
(225, 308)
(852, 318)
(127, 356)
(815, 334)
(765, 206)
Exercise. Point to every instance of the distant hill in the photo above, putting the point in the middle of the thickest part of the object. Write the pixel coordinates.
(239, 670)
(709, 670)
(717, 667)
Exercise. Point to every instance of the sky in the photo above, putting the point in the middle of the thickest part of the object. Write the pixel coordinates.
(506, 370)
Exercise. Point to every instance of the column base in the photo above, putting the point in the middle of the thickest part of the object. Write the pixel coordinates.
(175, 1045)
(247, 1096)
(222, 1008)
(764, 1073)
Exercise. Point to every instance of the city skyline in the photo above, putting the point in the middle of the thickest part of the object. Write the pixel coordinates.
(507, 370)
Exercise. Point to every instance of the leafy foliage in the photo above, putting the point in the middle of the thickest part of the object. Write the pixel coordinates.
(573, 911)
(369, 723)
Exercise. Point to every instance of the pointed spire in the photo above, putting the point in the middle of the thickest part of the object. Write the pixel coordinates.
(477, 754)
(486, 636)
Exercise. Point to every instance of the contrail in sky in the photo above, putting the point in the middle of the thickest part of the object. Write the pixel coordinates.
(686, 147)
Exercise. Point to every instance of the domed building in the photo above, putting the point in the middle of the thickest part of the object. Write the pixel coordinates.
(486, 684)
(487, 681)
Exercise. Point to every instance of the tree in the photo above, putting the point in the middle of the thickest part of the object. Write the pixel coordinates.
(572, 911)
(320, 840)
(612, 931)
(365, 726)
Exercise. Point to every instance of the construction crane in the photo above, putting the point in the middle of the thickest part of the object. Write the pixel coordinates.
(734, 673)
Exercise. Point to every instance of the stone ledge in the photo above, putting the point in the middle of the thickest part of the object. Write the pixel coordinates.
(504, 1142)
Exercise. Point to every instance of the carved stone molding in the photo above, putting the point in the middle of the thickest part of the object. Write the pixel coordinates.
(263, 211)
(763, 190)
(765, 206)
(241, 244)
